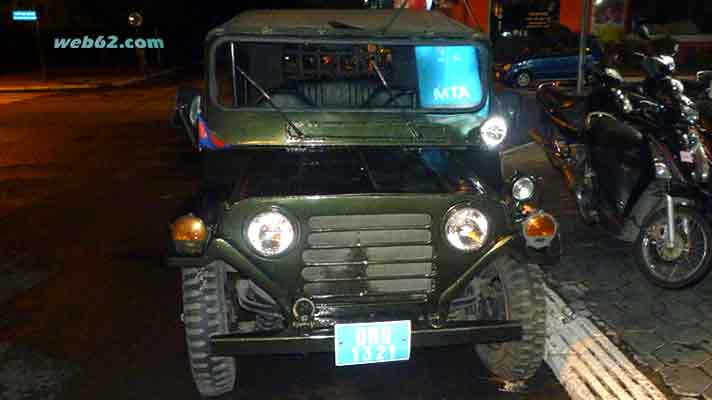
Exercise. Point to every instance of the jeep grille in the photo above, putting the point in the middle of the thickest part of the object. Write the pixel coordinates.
(367, 258)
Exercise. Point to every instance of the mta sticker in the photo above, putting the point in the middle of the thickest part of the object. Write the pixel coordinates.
(448, 76)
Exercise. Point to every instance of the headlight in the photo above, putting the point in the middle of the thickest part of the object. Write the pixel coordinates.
(523, 189)
(494, 131)
(507, 67)
(270, 233)
(466, 229)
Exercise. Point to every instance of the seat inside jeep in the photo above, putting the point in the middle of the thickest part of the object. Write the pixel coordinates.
(301, 76)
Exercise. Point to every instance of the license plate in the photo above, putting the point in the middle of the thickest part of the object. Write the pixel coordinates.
(372, 342)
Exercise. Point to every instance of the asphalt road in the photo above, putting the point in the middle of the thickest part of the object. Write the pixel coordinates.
(88, 183)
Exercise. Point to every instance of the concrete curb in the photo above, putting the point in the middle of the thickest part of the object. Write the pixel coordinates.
(586, 362)
(86, 86)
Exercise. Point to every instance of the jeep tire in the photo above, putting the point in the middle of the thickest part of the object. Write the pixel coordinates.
(206, 312)
(523, 289)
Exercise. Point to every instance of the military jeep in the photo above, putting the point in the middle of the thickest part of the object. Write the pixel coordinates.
(353, 200)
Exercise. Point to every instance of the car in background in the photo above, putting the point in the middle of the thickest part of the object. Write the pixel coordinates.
(546, 66)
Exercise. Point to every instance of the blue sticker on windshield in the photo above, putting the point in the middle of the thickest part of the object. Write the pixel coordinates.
(448, 76)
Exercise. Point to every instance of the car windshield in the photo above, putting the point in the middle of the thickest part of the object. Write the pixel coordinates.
(348, 77)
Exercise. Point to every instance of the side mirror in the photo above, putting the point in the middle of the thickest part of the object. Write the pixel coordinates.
(704, 77)
(187, 110)
(644, 32)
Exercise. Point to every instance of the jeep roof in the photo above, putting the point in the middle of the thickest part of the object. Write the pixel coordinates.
(353, 23)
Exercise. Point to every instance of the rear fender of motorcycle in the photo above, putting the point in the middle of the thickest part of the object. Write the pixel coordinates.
(650, 201)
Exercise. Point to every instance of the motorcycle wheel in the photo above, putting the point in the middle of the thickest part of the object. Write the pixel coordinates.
(687, 262)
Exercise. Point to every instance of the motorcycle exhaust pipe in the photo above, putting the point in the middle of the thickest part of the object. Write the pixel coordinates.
(670, 222)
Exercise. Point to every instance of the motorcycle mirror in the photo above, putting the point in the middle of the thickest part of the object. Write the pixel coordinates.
(704, 77)
(644, 32)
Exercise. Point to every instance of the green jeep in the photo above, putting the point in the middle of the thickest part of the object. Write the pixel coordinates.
(353, 199)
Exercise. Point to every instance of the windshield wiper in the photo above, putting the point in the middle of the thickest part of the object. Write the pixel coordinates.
(391, 95)
(263, 92)
(395, 17)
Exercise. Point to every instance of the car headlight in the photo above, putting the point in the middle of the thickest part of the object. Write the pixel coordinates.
(494, 131)
(466, 229)
(507, 67)
(523, 189)
(270, 233)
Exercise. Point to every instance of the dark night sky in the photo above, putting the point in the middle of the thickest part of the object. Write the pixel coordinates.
(191, 12)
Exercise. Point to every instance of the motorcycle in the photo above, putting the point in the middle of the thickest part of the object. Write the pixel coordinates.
(616, 158)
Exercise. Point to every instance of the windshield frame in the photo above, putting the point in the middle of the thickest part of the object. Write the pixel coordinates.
(481, 46)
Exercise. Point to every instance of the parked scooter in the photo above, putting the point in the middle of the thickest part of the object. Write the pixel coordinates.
(628, 180)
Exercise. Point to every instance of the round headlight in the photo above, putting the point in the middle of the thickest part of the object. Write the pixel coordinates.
(523, 189)
(494, 131)
(270, 233)
(466, 229)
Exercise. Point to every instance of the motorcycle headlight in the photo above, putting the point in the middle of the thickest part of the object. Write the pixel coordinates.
(270, 233)
(466, 229)
(494, 131)
(523, 189)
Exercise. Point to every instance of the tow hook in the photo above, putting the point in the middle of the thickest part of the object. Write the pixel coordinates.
(670, 243)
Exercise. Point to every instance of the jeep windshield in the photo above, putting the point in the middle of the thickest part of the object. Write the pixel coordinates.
(339, 76)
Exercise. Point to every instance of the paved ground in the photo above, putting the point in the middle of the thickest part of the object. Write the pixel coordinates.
(88, 183)
(7, 98)
(668, 332)
(77, 79)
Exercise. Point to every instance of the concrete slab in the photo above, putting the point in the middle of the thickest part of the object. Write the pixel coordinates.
(643, 342)
(686, 381)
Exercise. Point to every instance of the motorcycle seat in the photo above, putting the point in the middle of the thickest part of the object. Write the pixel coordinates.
(607, 130)
(566, 110)
(554, 98)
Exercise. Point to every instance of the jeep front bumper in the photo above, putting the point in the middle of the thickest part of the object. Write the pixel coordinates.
(292, 341)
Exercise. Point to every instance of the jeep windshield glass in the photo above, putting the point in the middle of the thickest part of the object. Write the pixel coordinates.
(347, 77)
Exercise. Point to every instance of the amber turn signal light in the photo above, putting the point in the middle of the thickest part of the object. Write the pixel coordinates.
(539, 226)
(188, 228)
(539, 230)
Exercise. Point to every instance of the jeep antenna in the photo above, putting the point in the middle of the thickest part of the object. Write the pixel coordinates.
(395, 17)
(472, 15)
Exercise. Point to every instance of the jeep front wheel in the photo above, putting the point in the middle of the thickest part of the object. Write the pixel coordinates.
(513, 291)
(206, 312)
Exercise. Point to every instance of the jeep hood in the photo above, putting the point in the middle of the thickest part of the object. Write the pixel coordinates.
(269, 128)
